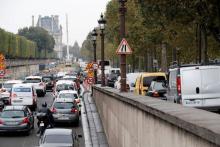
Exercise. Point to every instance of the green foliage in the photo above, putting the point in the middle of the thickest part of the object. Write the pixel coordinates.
(14, 46)
(150, 23)
(40, 36)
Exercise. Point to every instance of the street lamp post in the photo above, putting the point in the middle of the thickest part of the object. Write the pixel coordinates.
(94, 36)
(102, 23)
(122, 10)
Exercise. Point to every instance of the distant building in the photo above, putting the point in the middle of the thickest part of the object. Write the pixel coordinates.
(51, 24)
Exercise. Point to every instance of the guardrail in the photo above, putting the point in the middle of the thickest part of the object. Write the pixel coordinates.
(19, 62)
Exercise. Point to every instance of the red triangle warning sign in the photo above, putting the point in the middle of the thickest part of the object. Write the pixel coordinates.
(124, 48)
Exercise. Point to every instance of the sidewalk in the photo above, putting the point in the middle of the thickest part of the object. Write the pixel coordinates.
(93, 124)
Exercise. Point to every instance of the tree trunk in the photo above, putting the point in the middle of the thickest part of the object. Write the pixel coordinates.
(204, 45)
(164, 58)
(133, 63)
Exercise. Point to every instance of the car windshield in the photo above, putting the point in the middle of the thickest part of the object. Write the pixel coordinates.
(22, 89)
(68, 95)
(47, 79)
(58, 139)
(7, 85)
(147, 80)
(64, 87)
(158, 86)
(32, 80)
(12, 114)
(63, 105)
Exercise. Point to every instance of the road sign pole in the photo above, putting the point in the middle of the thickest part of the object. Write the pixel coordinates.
(122, 11)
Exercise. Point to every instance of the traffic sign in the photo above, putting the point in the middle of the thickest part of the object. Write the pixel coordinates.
(2, 73)
(90, 80)
(124, 48)
(90, 74)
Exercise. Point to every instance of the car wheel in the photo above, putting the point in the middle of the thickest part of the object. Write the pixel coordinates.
(77, 122)
(27, 133)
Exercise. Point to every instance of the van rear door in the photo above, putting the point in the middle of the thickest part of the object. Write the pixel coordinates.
(191, 86)
(210, 87)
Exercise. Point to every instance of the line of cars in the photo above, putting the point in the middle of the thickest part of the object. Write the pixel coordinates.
(192, 85)
(19, 96)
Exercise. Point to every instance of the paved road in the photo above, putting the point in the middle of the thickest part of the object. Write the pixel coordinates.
(20, 140)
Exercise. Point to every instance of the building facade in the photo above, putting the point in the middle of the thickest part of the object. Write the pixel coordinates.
(51, 24)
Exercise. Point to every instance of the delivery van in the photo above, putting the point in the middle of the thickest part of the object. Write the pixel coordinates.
(195, 86)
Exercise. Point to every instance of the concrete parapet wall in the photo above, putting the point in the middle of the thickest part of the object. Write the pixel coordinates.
(139, 121)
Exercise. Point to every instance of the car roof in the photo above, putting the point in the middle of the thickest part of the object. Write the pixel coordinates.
(153, 74)
(68, 91)
(14, 107)
(67, 100)
(27, 85)
(14, 81)
(33, 77)
(57, 131)
(64, 82)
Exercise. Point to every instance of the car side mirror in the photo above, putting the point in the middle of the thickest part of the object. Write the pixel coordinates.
(132, 85)
(80, 136)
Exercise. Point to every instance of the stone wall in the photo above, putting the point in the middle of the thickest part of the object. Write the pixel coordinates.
(140, 121)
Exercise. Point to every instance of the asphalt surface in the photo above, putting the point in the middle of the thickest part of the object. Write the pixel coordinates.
(20, 140)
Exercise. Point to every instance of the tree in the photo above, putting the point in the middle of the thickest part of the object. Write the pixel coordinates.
(42, 38)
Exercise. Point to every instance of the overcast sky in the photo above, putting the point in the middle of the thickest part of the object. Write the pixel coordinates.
(82, 15)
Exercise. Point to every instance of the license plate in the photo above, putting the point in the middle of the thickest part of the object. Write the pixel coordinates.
(11, 123)
(17, 101)
(41, 124)
(64, 118)
(193, 102)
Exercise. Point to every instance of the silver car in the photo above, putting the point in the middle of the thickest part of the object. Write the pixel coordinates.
(65, 111)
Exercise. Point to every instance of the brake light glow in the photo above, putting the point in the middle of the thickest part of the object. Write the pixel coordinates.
(53, 110)
(74, 110)
(178, 84)
(25, 121)
(1, 121)
(13, 95)
(156, 94)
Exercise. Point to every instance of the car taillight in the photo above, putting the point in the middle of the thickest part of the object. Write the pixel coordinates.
(74, 110)
(13, 95)
(178, 84)
(53, 110)
(1, 121)
(77, 100)
(156, 94)
(25, 120)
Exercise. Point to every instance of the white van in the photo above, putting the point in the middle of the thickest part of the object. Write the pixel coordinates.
(23, 94)
(195, 86)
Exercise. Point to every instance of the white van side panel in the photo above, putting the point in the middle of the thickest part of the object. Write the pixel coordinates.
(190, 80)
(210, 87)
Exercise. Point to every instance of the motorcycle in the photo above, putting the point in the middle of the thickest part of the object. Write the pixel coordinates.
(43, 122)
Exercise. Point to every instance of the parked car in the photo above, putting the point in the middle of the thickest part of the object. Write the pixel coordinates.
(16, 119)
(195, 86)
(157, 89)
(65, 110)
(49, 81)
(38, 84)
(144, 80)
(117, 84)
(131, 78)
(23, 94)
(57, 137)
